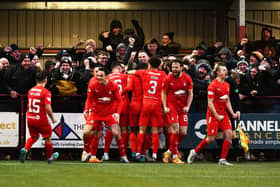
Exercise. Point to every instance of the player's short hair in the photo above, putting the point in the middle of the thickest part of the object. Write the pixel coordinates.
(178, 61)
(41, 76)
(115, 64)
(142, 66)
(105, 70)
(217, 67)
(154, 61)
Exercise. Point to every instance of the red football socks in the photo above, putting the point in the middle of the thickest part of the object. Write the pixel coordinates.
(94, 145)
(121, 147)
(173, 143)
(30, 141)
(140, 140)
(132, 140)
(155, 142)
(181, 137)
(226, 146)
(49, 150)
(87, 141)
(108, 140)
(147, 143)
(201, 146)
(125, 139)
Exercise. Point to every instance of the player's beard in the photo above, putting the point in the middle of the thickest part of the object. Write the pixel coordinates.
(176, 74)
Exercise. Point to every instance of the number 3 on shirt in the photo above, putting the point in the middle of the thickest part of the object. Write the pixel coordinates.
(153, 88)
(34, 106)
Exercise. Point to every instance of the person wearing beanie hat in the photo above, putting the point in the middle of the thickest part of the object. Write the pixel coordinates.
(255, 58)
(266, 39)
(120, 52)
(66, 67)
(65, 80)
(20, 77)
(115, 24)
(111, 39)
(242, 66)
(266, 34)
(25, 59)
(13, 54)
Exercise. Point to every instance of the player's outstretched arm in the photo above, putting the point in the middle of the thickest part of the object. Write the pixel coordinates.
(131, 72)
(50, 112)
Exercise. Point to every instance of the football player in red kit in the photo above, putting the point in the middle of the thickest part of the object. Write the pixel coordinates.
(217, 117)
(135, 85)
(177, 96)
(39, 106)
(89, 152)
(103, 95)
(120, 79)
(151, 113)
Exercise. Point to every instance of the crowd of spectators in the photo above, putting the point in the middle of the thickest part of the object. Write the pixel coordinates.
(256, 62)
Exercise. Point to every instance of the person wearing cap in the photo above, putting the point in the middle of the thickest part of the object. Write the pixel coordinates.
(65, 79)
(21, 77)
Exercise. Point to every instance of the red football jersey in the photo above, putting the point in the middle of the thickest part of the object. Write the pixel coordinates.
(177, 90)
(152, 82)
(101, 98)
(220, 93)
(134, 84)
(38, 97)
(120, 79)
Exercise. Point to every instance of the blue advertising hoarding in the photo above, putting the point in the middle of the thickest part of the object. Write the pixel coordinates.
(263, 130)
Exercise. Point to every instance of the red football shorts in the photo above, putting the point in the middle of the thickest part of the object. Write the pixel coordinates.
(37, 127)
(213, 125)
(134, 113)
(109, 120)
(176, 117)
(97, 121)
(151, 115)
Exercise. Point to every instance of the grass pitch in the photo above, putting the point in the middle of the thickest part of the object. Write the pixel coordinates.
(113, 174)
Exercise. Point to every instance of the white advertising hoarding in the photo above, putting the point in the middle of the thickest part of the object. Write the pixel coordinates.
(68, 132)
(9, 129)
